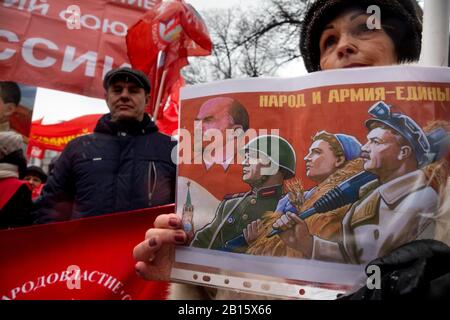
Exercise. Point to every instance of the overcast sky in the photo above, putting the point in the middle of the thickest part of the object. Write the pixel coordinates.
(220, 4)
(56, 106)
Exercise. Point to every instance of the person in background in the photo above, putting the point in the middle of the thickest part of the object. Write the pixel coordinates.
(10, 96)
(15, 195)
(36, 177)
(9, 100)
(124, 165)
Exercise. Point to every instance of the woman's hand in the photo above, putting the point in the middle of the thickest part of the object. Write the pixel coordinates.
(155, 255)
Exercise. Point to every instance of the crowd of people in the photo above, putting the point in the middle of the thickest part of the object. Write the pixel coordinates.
(126, 164)
(126, 158)
(20, 184)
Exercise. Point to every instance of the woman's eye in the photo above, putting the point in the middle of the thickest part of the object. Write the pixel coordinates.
(329, 41)
(363, 28)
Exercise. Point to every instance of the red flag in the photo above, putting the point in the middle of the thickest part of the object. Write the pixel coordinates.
(175, 29)
(176, 59)
(167, 23)
(170, 121)
(57, 136)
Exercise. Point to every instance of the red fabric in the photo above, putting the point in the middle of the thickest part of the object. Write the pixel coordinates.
(167, 23)
(35, 152)
(36, 192)
(57, 136)
(169, 123)
(42, 50)
(20, 120)
(178, 31)
(176, 59)
(9, 187)
(98, 246)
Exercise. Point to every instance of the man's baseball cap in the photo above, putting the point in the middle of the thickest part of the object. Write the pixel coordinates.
(127, 74)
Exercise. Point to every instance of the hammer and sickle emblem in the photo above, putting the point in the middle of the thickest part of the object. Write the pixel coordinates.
(170, 31)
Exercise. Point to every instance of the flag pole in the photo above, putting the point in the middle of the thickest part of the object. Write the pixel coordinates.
(435, 37)
(159, 65)
(160, 91)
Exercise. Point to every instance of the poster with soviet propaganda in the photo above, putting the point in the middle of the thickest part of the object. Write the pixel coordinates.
(289, 187)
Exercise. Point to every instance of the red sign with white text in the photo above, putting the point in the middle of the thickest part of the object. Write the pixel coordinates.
(62, 46)
(89, 258)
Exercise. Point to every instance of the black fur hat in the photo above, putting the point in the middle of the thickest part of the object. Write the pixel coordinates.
(405, 16)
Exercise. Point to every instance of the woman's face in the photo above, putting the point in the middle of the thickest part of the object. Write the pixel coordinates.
(347, 42)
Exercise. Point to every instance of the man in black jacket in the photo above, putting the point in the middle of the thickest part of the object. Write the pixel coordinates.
(124, 165)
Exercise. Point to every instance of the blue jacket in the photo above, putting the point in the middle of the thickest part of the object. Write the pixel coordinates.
(117, 168)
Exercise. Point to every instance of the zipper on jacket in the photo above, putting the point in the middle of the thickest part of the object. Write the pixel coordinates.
(152, 178)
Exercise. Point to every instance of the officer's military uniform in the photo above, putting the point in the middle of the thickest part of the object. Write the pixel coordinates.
(236, 211)
(233, 215)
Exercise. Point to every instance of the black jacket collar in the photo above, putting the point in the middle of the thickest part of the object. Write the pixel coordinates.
(134, 127)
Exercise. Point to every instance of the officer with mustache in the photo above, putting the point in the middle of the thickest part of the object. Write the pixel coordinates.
(394, 209)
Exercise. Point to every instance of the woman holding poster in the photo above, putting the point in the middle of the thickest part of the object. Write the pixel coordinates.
(336, 34)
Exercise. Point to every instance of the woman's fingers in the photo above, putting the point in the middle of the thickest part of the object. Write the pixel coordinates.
(167, 221)
(158, 270)
(155, 239)
(155, 254)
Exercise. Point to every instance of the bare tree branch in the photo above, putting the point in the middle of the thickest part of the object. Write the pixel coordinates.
(250, 43)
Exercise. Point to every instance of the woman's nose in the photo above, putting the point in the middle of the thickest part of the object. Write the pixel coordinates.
(346, 46)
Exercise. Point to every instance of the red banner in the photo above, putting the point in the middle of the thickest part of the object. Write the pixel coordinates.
(57, 136)
(175, 30)
(59, 45)
(82, 259)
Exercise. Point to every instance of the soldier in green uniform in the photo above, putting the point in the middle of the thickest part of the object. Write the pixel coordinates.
(269, 160)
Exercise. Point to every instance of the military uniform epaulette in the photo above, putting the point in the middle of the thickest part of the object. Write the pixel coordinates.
(368, 188)
(233, 195)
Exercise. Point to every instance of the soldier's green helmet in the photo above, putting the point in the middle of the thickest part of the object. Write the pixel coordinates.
(276, 149)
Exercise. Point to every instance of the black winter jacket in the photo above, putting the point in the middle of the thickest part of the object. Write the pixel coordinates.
(419, 270)
(120, 167)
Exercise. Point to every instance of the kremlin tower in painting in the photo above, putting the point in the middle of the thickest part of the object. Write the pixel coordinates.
(188, 215)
